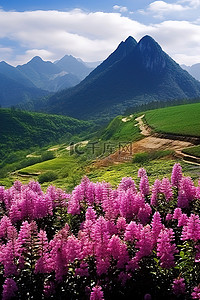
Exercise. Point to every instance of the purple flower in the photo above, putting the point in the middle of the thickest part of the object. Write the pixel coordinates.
(144, 185)
(176, 175)
(191, 231)
(156, 225)
(142, 172)
(166, 189)
(196, 292)
(97, 293)
(127, 183)
(145, 243)
(166, 248)
(9, 289)
(155, 191)
(178, 286)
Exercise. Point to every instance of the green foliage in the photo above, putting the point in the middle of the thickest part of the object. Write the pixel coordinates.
(47, 177)
(21, 130)
(181, 120)
(145, 157)
(47, 155)
(195, 151)
(121, 129)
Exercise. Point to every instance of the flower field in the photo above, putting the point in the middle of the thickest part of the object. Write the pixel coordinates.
(133, 242)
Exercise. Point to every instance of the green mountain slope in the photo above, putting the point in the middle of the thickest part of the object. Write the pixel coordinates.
(13, 93)
(181, 120)
(22, 130)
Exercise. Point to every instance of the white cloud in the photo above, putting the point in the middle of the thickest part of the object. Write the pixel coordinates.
(5, 53)
(161, 9)
(29, 54)
(121, 9)
(90, 36)
(191, 3)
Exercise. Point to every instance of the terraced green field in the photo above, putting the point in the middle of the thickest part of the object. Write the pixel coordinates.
(194, 151)
(182, 120)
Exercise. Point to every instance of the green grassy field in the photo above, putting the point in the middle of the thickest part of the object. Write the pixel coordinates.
(194, 151)
(122, 129)
(182, 120)
(22, 130)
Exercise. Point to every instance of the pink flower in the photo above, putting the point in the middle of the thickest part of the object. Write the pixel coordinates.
(142, 172)
(132, 231)
(121, 225)
(166, 189)
(126, 200)
(191, 231)
(9, 289)
(197, 256)
(7, 230)
(177, 213)
(43, 264)
(168, 217)
(118, 250)
(144, 213)
(166, 248)
(49, 289)
(100, 235)
(145, 243)
(156, 225)
(182, 221)
(82, 271)
(178, 286)
(182, 199)
(97, 293)
(8, 259)
(144, 185)
(196, 292)
(124, 277)
(187, 185)
(90, 214)
(176, 175)
(155, 191)
(127, 183)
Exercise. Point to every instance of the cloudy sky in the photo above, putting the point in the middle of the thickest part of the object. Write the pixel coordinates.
(91, 30)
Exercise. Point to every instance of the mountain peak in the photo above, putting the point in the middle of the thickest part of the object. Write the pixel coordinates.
(130, 39)
(151, 54)
(148, 43)
(36, 59)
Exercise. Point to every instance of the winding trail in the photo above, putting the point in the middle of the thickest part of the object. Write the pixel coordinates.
(150, 142)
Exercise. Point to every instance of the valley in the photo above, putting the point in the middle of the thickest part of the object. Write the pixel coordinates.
(121, 147)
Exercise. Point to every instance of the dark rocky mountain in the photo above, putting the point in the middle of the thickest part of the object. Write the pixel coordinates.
(135, 73)
(194, 70)
(72, 65)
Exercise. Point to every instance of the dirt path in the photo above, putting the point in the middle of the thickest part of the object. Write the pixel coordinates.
(148, 144)
(145, 130)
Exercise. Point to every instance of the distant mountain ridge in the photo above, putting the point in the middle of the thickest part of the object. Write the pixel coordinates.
(64, 73)
(134, 73)
(71, 65)
(16, 88)
(194, 70)
(37, 78)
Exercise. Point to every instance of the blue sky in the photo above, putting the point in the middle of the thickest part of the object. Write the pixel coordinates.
(91, 30)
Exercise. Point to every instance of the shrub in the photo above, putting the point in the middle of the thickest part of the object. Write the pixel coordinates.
(47, 177)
